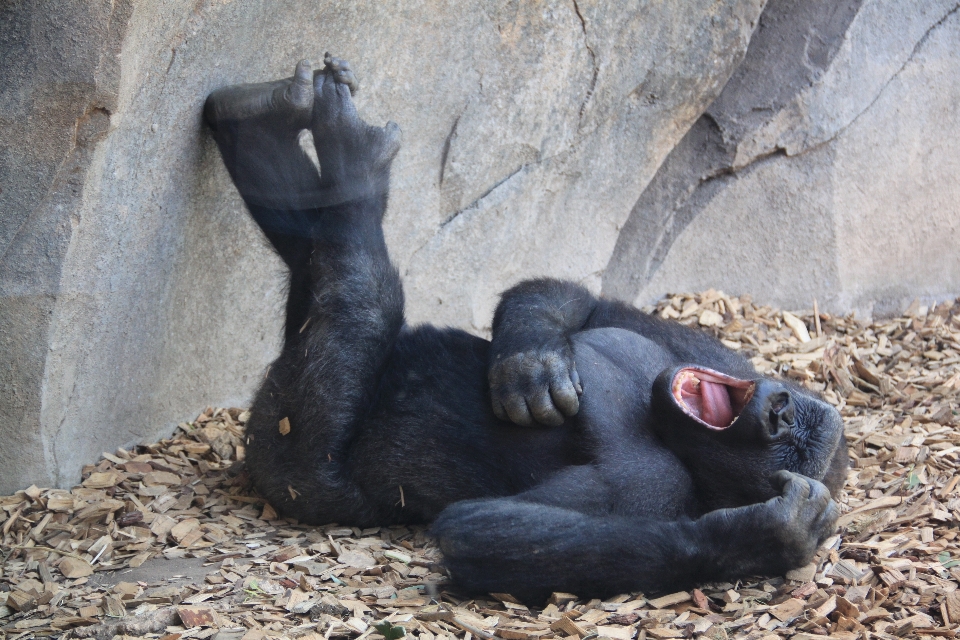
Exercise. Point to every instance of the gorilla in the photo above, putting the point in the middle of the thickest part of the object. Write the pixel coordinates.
(588, 447)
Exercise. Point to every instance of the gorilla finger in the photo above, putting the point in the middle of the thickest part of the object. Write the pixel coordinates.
(795, 487)
(300, 93)
(498, 410)
(322, 81)
(346, 77)
(798, 487)
(827, 522)
(575, 377)
(343, 88)
(303, 72)
(517, 410)
(333, 68)
(393, 129)
(561, 387)
(390, 141)
(780, 479)
(819, 493)
(331, 63)
(541, 406)
(564, 395)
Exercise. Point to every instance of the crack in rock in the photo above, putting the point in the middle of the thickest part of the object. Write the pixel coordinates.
(446, 147)
(593, 61)
(476, 203)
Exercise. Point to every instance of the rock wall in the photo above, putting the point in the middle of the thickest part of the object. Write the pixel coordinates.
(595, 141)
(826, 169)
(133, 288)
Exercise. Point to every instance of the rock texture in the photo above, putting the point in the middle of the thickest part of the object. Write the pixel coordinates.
(132, 284)
(826, 168)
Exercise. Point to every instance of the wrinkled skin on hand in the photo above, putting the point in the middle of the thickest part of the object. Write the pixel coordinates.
(537, 385)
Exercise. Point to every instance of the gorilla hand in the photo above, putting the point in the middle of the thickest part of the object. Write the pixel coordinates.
(775, 536)
(539, 385)
(802, 517)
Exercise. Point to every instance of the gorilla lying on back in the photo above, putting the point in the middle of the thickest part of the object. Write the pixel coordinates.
(588, 448)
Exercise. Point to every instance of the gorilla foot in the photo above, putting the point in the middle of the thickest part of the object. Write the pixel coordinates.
(354, 157)
(282, 107)
(339, 69)
(257, 128)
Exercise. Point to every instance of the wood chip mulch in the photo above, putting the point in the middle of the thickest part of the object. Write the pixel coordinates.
(892, 573)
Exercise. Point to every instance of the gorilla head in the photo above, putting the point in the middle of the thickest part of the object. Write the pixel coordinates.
(734, 434)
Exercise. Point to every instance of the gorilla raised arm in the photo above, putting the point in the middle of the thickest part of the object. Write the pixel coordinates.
(588, 448)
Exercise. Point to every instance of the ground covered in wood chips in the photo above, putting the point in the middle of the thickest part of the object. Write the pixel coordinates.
(166, 540)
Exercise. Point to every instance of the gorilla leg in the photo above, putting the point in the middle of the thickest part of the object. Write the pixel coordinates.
(258, 129)
(346, 302)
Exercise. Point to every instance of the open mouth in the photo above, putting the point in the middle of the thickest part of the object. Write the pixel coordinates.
(710, 397)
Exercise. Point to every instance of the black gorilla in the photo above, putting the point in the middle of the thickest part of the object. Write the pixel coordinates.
(661, 458)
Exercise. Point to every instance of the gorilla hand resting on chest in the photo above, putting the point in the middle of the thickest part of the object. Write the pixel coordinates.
(588, 448)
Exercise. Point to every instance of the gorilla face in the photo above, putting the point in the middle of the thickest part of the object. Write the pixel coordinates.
(734, 434)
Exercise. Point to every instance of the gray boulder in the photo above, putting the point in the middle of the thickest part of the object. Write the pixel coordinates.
(826, 168)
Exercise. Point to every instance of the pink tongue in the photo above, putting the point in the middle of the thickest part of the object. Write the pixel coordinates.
(715, 407)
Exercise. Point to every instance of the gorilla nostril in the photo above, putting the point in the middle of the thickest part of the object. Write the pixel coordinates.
(779, 402)
(782, 413)
(788, 414)
(773, 425)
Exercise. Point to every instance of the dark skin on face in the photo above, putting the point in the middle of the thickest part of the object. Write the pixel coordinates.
(588, 448)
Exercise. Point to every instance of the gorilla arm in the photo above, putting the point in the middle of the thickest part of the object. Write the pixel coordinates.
(532, 373)
(530, 549)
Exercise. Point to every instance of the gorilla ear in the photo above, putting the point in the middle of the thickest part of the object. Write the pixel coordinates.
(713, 399)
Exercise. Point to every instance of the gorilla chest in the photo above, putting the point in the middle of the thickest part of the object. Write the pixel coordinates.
(617, 369)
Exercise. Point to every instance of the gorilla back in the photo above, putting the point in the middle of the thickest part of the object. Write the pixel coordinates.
(587, 448)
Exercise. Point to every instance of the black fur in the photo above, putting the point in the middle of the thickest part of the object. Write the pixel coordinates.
(390, 423)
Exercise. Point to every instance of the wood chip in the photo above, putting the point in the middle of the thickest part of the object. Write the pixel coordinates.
(155, 478)
(196, 616)
(113, 607)
(710, 318)
(102, 480)
(567, 626)
(268, 513)
(75, 568)
(662, 633)
(357, 559)
(561, 599)
(803, 574)
(21, 600)
(880, 503)
(617, 633)
(787, 610)
(894, 570)
(162, 525)
(953, 606)
(670, 600)
(180, 530)
(797, 325)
